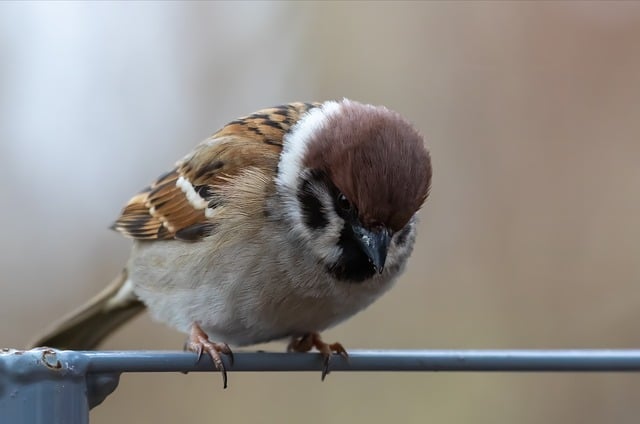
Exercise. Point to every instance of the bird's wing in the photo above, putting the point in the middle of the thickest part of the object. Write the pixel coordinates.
(183, 203)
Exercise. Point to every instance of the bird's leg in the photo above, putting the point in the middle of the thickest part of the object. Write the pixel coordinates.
(311, 340)
(199, 343)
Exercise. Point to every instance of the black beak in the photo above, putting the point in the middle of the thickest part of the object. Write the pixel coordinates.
(374, 243)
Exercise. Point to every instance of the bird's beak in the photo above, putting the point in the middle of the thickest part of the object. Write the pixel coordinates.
(375, 244)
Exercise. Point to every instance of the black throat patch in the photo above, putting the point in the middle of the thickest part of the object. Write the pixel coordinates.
(353, 266)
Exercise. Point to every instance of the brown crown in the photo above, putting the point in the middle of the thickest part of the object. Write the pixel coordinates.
(376, 159)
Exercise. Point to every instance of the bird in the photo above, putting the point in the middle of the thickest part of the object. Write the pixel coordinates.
(280, 225)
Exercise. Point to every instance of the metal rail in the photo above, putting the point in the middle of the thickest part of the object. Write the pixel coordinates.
(55, 387)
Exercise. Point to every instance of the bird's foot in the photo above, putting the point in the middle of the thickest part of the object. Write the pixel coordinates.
(311, 340)
(199, 343)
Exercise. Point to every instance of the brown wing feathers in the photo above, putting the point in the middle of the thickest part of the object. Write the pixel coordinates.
(268, 125)
(181, 203)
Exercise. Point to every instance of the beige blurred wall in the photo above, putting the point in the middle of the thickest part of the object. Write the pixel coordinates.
(531, 237)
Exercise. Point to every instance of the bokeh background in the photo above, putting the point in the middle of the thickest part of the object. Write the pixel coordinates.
(530, 239)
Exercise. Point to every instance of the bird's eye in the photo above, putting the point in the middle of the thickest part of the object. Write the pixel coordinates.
(343, 202)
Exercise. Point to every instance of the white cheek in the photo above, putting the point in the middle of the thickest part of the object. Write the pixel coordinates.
(326, 239)
(399, 253)
(322, 242)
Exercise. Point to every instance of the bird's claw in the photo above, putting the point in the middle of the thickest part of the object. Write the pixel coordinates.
(327, 352)
(199, 343)
(311, 340)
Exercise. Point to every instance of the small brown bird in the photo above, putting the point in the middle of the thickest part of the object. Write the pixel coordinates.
(280, 225)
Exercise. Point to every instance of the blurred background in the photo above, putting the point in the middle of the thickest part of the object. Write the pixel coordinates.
(530, 239)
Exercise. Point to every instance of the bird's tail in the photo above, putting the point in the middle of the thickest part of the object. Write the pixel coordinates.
(87, 327)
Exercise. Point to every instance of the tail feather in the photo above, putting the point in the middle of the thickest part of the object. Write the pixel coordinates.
(87, 327)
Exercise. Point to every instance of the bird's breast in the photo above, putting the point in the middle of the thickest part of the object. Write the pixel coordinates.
(244, 295)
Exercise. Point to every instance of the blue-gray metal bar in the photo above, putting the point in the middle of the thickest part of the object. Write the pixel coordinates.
(371, 360)
(58, 387)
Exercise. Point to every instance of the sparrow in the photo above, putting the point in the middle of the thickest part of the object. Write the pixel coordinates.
(280, 225)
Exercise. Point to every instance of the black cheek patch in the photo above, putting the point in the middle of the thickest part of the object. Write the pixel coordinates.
(313, 215)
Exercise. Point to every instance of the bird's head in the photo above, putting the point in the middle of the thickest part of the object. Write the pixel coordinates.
(353, 177)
